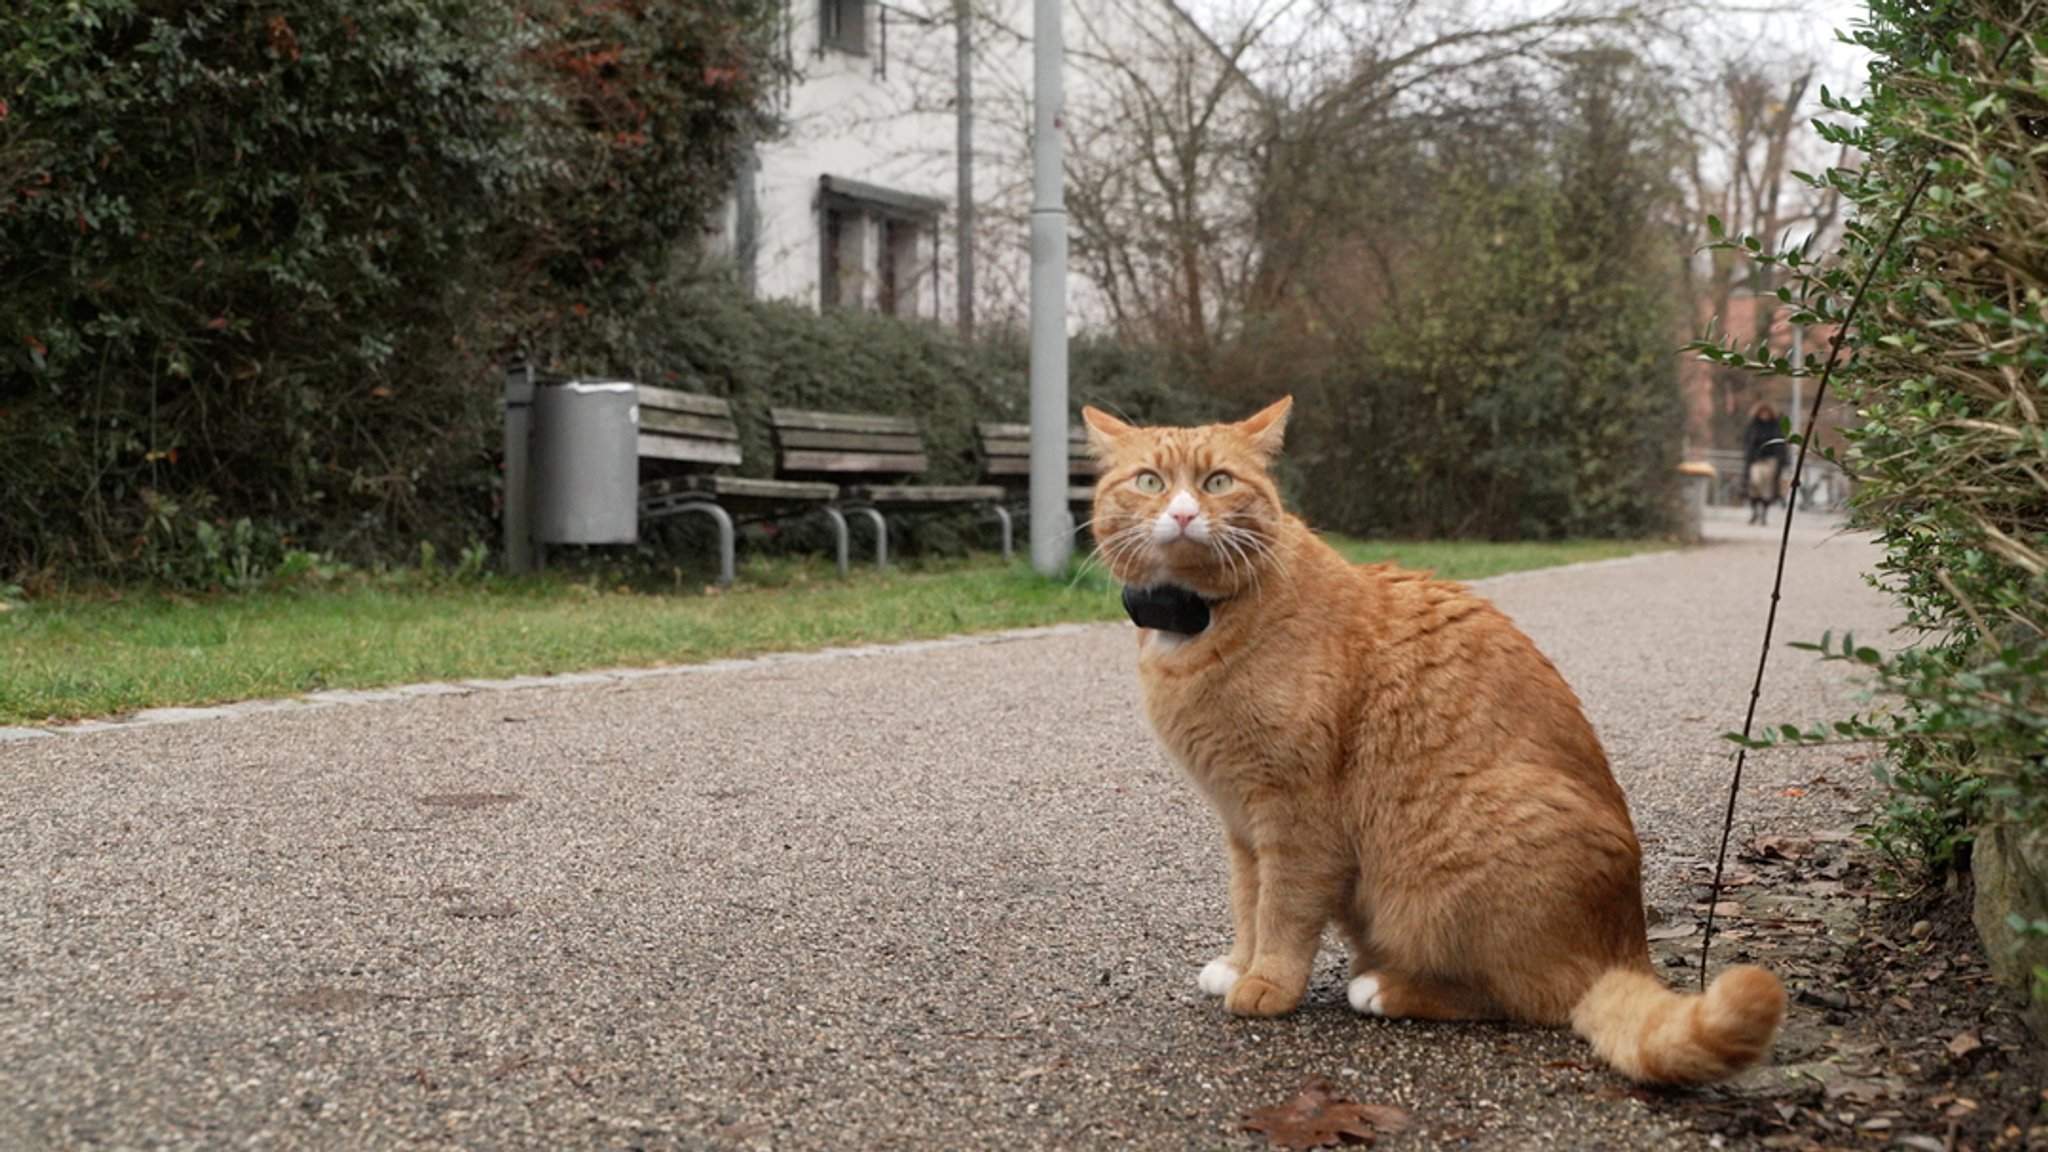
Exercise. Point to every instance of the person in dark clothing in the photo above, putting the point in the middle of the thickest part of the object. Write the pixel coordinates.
(1764, 457)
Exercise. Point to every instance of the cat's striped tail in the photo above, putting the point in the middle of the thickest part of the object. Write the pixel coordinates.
(1650, 1033)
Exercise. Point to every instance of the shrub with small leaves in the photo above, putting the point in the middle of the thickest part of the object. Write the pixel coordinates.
(258, 261)
(1949, 374)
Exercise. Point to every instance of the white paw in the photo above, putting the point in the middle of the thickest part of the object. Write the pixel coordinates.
(1218, 977)
(1365, 996)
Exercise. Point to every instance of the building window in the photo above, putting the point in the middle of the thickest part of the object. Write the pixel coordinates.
(877, 248)
(844, 249)
(903, 259)
(843, 25)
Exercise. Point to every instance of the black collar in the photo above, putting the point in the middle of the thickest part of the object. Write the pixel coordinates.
(1168, 608)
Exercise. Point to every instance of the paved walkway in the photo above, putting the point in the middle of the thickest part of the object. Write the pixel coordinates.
(940, 897)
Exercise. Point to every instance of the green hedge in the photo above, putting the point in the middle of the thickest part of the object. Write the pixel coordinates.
(1951, 379)
(258, 262)
(1948, 370)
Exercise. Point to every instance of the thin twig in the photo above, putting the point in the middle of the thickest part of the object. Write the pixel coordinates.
(1756, 689)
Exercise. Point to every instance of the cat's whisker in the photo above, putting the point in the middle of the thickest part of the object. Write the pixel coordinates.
(1096, 559)
(1243, 548)
(1232, 552)
(1122, 544)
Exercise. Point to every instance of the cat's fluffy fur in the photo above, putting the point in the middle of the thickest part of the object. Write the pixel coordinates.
(1390, 754)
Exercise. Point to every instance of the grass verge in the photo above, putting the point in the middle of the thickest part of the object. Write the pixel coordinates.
(75, 657)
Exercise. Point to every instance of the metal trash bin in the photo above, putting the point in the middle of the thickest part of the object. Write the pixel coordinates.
(585, 462)
(1695, 476)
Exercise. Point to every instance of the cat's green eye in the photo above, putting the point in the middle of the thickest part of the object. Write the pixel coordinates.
(1219, 483)
(1150, 483)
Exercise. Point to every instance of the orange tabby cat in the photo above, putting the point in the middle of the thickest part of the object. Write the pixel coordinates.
(1389, 753)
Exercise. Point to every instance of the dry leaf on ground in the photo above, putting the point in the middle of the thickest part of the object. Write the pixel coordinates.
(1780, 847)
(1319, 1118)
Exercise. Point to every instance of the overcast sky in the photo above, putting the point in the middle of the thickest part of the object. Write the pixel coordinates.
(1796, 28)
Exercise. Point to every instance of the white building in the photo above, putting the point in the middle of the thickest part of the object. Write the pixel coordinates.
(855, 204)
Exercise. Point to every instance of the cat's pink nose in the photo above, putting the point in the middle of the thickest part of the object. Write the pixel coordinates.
(1184, 518)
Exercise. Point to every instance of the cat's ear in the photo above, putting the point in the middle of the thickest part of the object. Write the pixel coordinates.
(1267, 428)
(1104, 430)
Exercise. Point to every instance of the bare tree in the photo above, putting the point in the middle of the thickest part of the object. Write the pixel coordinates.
(1752, 136)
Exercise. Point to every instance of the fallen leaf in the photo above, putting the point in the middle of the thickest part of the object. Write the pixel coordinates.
(1319, 1118)
(1673, 931)
(1965, 1043)
(1794, 793)
(1736, 876)
(1781, 847)
(1866, 1091)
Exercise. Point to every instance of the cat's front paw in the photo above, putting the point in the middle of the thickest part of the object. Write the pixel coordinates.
(1218, 977)
(1366, 995)
(1258, 996)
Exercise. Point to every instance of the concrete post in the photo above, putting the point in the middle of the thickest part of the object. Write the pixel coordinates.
(963, 45)
(1052, 533)
(516, 506)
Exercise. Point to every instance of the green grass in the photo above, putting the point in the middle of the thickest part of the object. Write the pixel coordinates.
(71, 657)
(1468, 560)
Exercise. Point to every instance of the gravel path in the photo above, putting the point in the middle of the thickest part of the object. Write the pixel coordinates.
(945, 896)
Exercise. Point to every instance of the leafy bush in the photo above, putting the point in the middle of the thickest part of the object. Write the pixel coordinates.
(1482, 342)
(256, 262)
(1950, 376)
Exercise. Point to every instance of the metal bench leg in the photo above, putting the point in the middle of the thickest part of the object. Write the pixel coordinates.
(881, 535)
(838, 534)
(1003, 514)
(725, 533)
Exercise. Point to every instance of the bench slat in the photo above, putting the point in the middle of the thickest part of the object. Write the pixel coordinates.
(841, 421)
(991, 430)
(696, 451)
(886, 463)
(737, 487)
(1021, 466)
(691, 402)
(684, 424)
(914, 495)
(850, 441)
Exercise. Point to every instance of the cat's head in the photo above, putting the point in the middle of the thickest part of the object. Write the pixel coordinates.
(1197, 507)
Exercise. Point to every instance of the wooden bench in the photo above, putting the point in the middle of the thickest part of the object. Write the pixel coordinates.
(1006, 460)
(684, 430)
(874, 459)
